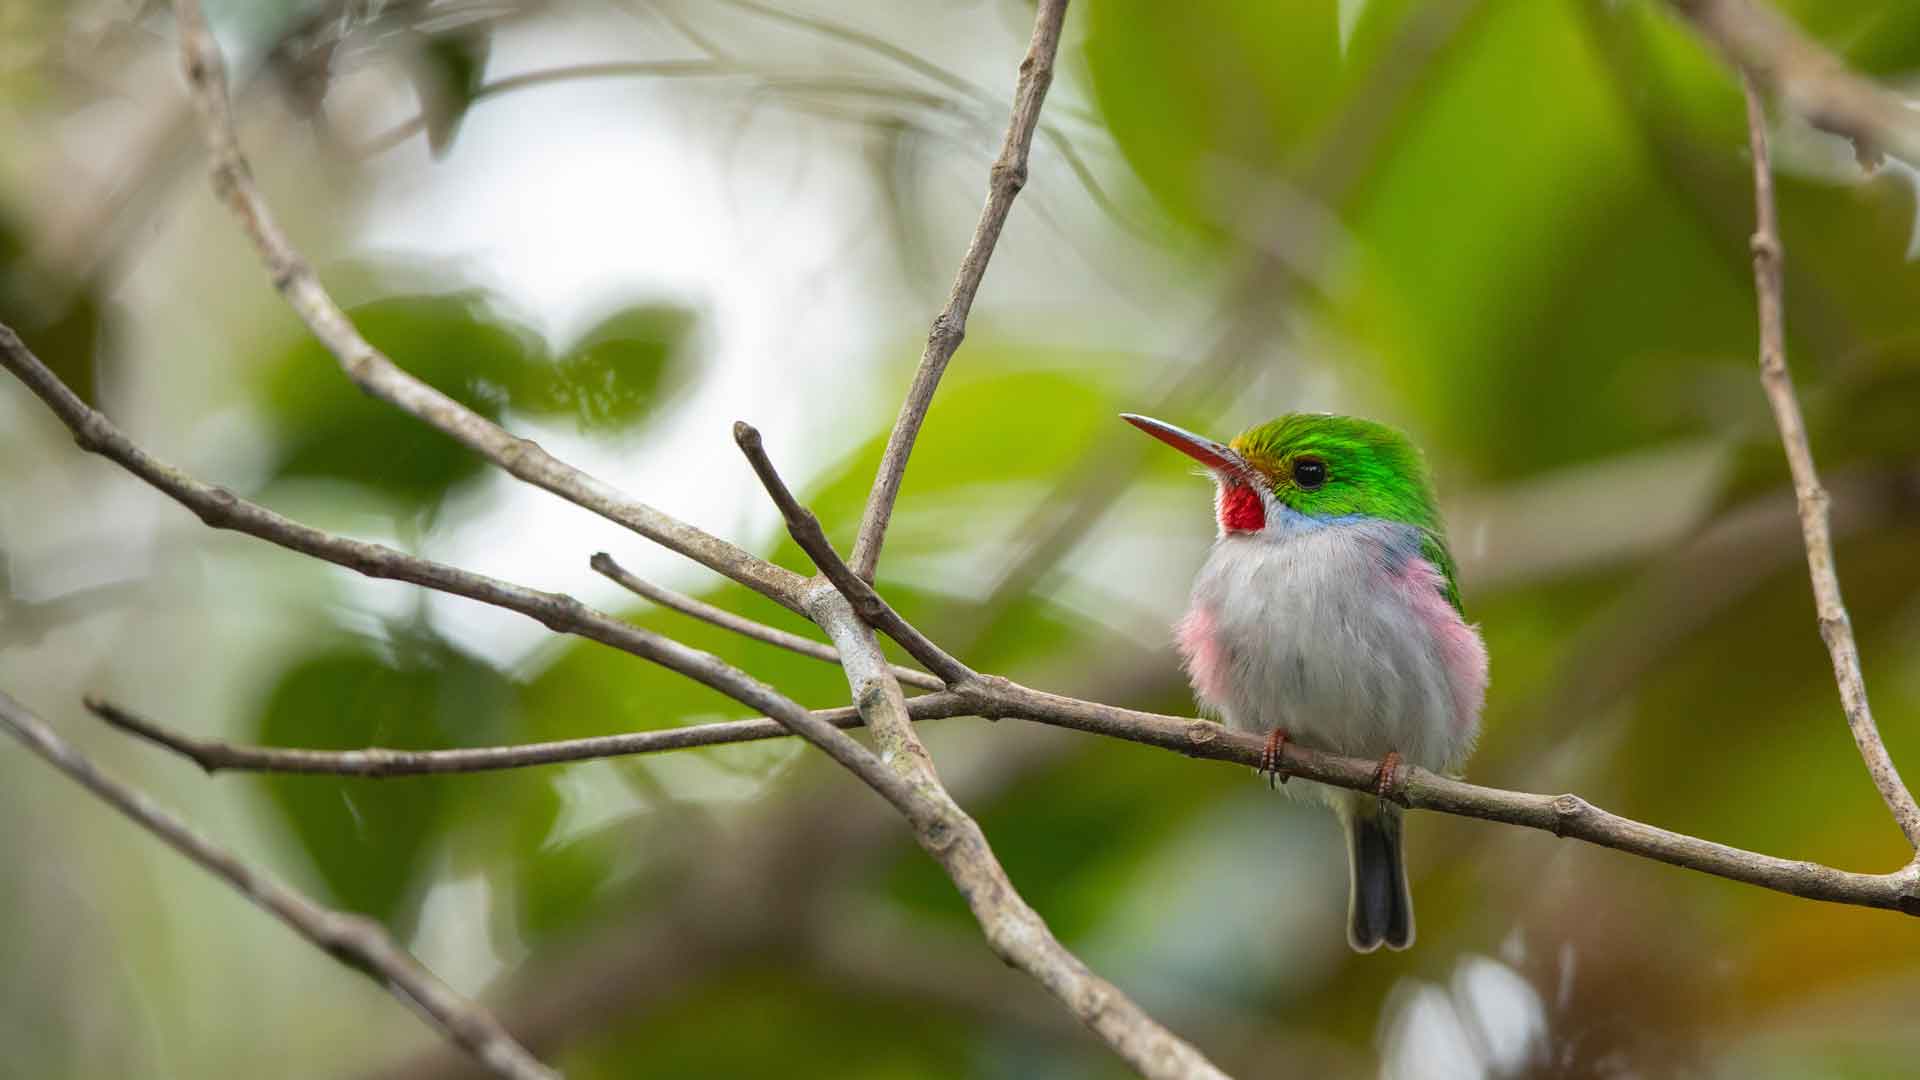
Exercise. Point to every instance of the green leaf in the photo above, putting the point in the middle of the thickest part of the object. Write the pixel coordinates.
(1204, 98)
(370, 840)
(330, 430)
(446, 76)
(614, 374)
(58, 319)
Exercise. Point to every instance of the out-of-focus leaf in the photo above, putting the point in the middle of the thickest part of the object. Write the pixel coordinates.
(368, 840)
(447, 73)
(59, 320)
(331, 430)
(1877, 37)
(1204, 99)
(614, 374)
(770, 1023)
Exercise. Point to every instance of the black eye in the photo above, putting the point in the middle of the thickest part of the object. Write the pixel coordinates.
(1309, 473)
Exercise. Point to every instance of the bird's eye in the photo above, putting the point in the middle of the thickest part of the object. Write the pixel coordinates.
(1309, 473)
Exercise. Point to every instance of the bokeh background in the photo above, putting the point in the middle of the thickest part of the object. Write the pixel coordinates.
(1516, 227)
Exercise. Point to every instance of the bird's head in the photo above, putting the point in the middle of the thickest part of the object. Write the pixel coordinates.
(1308, 469)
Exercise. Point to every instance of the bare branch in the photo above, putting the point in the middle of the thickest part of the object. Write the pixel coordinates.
(805, 529)
(218, 755)
(603, 563)
(1008, 176)
(1836, 629)
(221, 509)
(1418, 789)
(380, 377)
(354, 940)
(1016, 932)
(1808, 79)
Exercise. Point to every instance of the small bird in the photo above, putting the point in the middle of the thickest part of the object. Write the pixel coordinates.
(1327, 615)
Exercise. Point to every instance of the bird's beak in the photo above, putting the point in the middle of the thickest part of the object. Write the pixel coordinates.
(1213, 455)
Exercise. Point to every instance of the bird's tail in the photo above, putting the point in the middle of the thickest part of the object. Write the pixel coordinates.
(1379, 907)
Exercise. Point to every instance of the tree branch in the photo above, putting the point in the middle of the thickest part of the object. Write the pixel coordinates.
(1014, 930)
(805, 529)
(1776, 53)
(381, 378)
(603, 564)
(354, 940)
(217, 755)
(1836, 629)
(1008, 176)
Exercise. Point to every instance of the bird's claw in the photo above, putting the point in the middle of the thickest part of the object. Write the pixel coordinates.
(1270, 757)
(1383, 780)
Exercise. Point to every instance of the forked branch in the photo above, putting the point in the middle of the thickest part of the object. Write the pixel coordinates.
(1768, 48)
(1008, 176)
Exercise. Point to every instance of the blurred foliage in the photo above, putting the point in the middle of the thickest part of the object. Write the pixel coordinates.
(1542, 269)
(459, 344)
(370, 840)
(61, 318)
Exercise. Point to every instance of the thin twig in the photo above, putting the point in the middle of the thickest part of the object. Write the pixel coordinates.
(805, 529)
(1008, 176)
(380, 377)
(1836, 629)
(354, 940)
(376, 762)
(604, 564)
(1768, 47)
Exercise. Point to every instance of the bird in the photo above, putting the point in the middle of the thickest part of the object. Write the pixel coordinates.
(1327, 614)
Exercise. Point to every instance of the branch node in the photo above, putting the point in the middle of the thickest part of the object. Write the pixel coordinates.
(1567, 811)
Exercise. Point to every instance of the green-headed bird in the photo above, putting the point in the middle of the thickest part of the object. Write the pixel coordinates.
(1327, 615)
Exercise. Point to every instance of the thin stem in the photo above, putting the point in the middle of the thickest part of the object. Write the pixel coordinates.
(604, 564)
(1836, 629)
(354, 940)
(216, 755)
(1007, 177)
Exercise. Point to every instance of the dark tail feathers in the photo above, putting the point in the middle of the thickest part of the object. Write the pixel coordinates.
(1379, 908)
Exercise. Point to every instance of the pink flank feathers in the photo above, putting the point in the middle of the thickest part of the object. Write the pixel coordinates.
(1462, 652)
(1206, 659)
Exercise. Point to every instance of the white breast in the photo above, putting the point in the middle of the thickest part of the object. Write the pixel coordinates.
(1308, 631)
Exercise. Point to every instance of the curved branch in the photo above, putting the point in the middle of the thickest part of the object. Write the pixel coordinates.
(1836, 629)
(848, 609)
(1769, 47)
(1008, 176)
(354, 940)
(381, 378)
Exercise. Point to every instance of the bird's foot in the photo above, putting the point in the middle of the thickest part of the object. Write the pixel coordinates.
(1270, 757)
(1383, 780)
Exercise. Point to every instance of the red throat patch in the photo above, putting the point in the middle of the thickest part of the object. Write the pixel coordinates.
(1241, 509)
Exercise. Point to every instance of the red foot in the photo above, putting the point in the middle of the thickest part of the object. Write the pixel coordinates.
(1383, 781)
(1270, 757)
